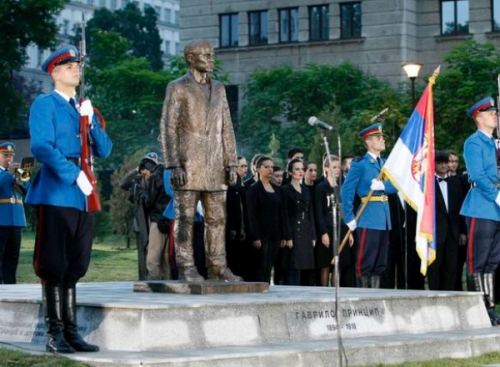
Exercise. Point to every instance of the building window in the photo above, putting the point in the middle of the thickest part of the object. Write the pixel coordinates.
(39, 57)
(454, 17)
(102, 3)
(289, 25)
(168, 15)
(318, 23)
(167, 48)
(65, 27)
(177, 48)
(258, 27)
(112, 4)
(176, 17)
(496, 15)
(232, 101)
(350, 20)
(228, 30)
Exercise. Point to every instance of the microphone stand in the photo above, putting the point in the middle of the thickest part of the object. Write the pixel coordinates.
(335, 203)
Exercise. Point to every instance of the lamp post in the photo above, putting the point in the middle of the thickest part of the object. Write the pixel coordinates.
(412, 69)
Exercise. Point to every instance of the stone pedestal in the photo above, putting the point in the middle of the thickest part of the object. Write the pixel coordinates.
(207, 287)
(286, 326)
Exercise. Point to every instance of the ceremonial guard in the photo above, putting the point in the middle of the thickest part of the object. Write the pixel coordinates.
(482, 204)
(12, 218)
(373, 226)
(59, 193)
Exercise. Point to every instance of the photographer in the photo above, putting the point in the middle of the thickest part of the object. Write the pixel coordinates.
(155, 200)
(135, 184)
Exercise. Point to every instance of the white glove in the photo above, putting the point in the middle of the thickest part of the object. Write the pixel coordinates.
(497, 200)
(84, 184)
(352, 225)
(86, 109)
(377, 185)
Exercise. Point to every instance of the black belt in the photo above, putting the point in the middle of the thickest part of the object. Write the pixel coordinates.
(74, 160)
(497, 185)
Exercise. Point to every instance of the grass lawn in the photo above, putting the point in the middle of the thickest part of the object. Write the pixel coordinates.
(112, 261)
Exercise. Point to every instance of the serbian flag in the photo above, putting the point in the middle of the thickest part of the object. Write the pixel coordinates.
(410, 167)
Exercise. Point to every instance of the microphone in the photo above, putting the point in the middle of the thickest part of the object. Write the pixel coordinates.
(314, 121)
(380, 114)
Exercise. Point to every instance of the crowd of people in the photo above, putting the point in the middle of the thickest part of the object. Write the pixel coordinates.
(201, 215)
(280, 224)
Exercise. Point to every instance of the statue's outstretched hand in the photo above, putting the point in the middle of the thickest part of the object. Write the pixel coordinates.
(232, 176)
(178, 177)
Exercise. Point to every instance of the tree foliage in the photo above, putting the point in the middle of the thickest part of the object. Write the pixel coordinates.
(470, 74)
(280, 101)
(22, 22)
(130, 24)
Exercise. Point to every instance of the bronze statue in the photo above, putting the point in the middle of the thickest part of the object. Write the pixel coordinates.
(199, 148)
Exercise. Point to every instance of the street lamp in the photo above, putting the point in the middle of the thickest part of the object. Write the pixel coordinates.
(412, 69)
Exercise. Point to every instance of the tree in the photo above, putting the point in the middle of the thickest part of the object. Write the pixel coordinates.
(471, 74)
(22, 22)
(130, 24)
(279, 101)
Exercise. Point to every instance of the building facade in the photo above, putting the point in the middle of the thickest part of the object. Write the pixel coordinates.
(71, 17)
(379, 36)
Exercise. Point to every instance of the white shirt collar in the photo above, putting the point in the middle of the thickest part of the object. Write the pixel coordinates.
(488, 135)
(65, 96)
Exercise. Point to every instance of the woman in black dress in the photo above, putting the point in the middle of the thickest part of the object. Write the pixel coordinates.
(324, 196)
(265, 219)
(298, 256)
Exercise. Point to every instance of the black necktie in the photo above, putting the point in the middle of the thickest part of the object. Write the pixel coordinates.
(379, 161)
(73, 103)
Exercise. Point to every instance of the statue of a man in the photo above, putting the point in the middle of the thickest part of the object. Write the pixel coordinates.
(199, 148)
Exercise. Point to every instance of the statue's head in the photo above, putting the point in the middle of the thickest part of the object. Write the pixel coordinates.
(199, 55)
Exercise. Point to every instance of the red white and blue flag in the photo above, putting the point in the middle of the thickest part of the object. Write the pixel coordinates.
(410, 167)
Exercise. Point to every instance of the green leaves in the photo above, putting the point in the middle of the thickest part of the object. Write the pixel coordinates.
(279, 102)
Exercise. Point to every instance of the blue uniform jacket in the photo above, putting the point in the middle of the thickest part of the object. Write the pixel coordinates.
(11, 202)
(480, 155)
(358, 181)
(169, 211)
(55, 136)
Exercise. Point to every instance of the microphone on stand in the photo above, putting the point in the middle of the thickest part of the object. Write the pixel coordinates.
(314, 121)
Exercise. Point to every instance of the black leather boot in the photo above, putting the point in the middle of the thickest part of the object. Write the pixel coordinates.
(70, 324)
(52, 310)
(489, 298)
(363, 282)
(475, 282)
(375, 281)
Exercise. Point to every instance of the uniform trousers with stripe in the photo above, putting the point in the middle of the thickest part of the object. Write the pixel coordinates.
(373, 247)
(63, 244)
(483, 248)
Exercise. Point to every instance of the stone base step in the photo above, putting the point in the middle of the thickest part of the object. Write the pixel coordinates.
(387, 349)
(114, 317)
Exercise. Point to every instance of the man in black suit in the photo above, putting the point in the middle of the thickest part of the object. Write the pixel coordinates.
(450, 227)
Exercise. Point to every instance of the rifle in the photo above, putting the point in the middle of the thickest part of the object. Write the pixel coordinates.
(87, 158)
